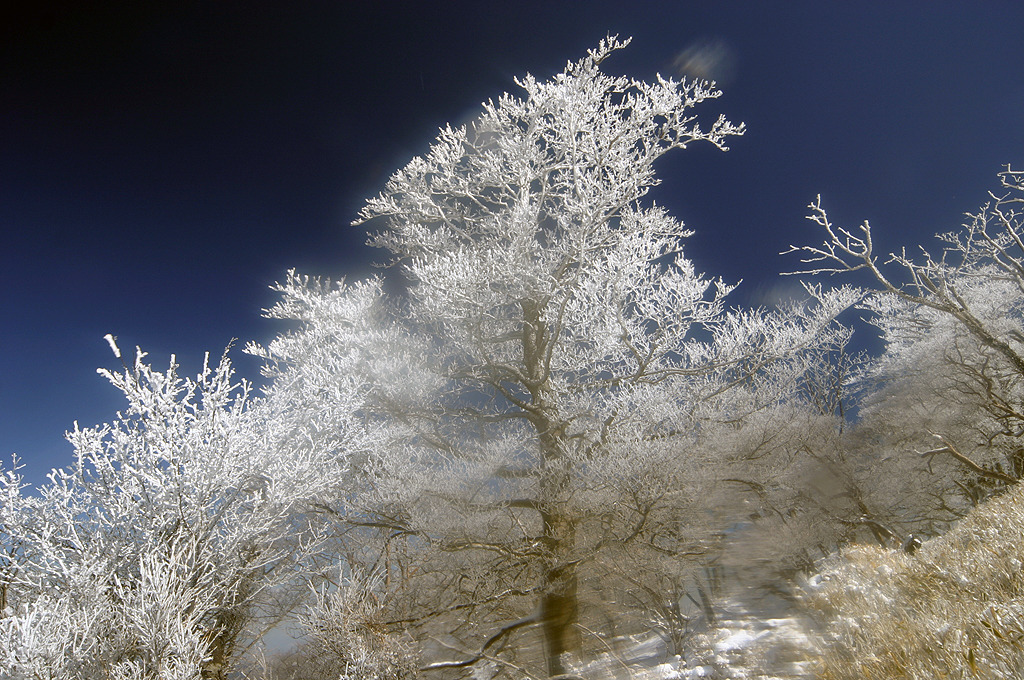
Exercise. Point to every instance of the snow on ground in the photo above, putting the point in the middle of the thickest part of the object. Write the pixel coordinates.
(743, 647)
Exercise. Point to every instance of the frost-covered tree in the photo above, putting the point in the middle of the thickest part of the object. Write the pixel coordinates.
(543, 389)
(953, 326)
(155, 553)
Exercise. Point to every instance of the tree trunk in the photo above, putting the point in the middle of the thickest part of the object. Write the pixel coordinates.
(222, 645)
(559, 605)
(216, 666)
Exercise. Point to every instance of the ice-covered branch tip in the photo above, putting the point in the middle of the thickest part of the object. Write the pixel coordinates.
(112, 341)
(842, 251)
(1012, 179)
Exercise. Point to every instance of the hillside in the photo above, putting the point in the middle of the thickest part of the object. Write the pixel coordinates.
(954, 609)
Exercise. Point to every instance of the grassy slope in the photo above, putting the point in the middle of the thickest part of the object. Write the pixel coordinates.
(955, 609)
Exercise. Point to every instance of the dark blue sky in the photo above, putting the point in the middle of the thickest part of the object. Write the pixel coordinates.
(162, 163)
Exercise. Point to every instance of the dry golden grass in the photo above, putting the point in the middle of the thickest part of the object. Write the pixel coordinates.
(955, 609)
